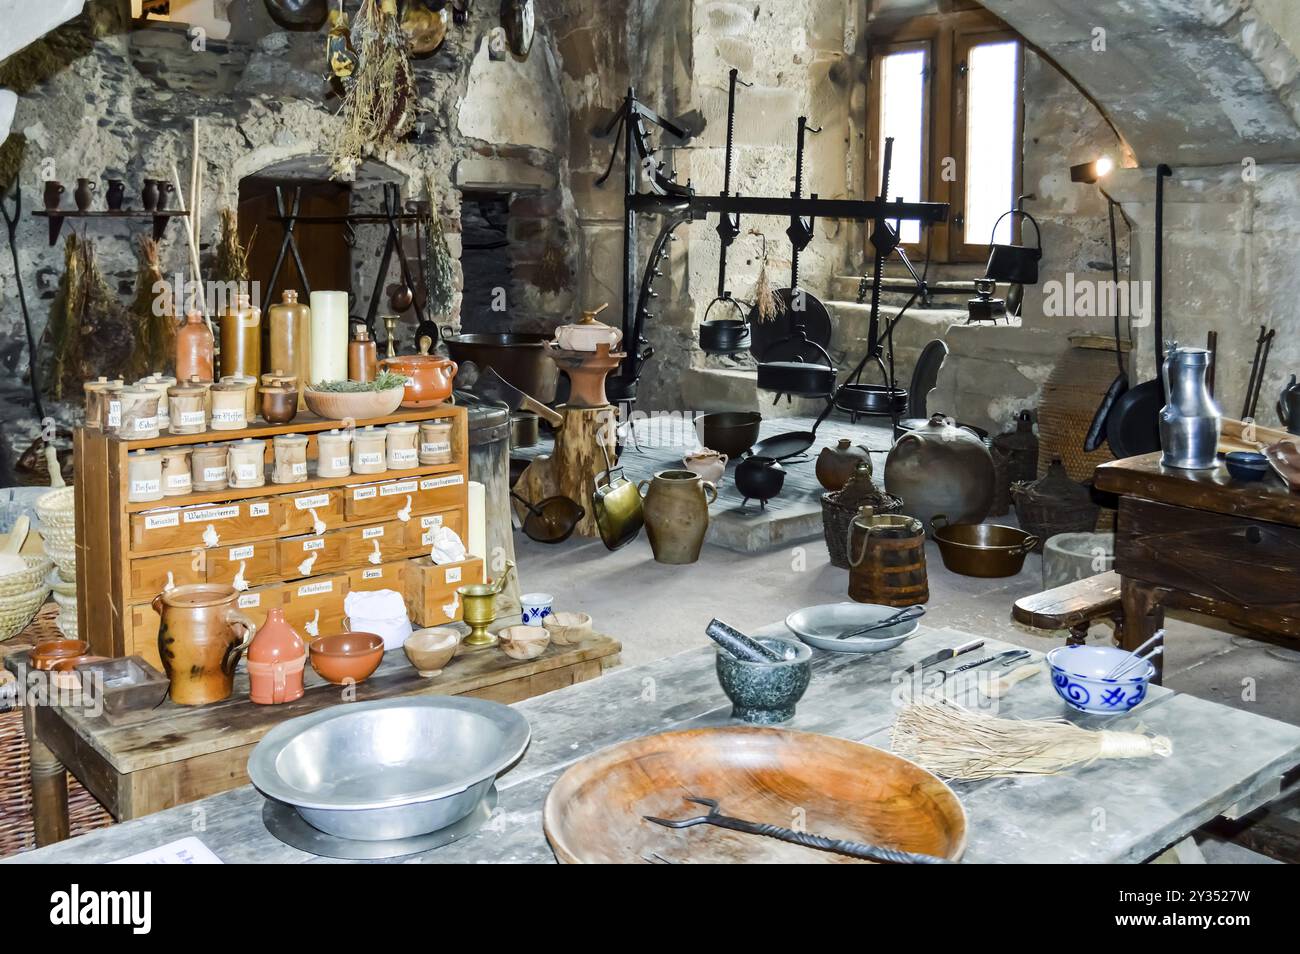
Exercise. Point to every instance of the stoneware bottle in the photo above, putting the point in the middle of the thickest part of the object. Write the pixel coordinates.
(241, 340)
(289, 339)
(194, 348)
(363, 359)
(276, 658)
(200, 640)
(835, 465)
(677, 514)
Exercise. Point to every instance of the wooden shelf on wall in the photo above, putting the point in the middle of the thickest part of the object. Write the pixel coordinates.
(160, 218)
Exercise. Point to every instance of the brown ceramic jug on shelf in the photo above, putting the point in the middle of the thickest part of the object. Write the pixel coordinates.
(677, 514)
(200, 640)
(194, 350)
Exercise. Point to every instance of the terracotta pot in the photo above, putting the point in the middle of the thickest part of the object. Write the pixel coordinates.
(677, 514)
(276, 658)
(941, 469)
(194, 349)
(428, 377)
(279, 405)
(200, 640)
(835, 465)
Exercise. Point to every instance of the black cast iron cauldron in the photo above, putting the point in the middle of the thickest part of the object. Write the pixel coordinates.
(759, 478)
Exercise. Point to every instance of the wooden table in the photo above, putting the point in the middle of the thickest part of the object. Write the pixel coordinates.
(178, 754)
(1225, 761)
(1201, 541)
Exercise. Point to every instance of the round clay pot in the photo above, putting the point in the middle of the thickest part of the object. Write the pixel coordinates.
(200, 640)
(428, 377)
(941, 469)
(677, 514)
(835, 465)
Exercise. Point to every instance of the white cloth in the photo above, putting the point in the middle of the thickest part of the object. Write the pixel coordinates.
(382, 612)
(447, 547)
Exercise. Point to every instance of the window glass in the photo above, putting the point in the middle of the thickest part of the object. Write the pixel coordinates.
(902, 116)
(992, 91)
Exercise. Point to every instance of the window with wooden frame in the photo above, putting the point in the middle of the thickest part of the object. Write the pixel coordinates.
(949, 89)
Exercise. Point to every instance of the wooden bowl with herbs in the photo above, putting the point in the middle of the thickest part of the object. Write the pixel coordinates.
(357, 400)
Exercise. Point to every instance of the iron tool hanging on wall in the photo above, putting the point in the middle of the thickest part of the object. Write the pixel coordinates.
(730, 333)
(519, 22)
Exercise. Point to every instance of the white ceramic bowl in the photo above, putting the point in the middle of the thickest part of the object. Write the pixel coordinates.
(1079, 677)
(820, 626)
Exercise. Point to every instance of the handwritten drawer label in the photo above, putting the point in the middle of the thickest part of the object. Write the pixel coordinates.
(364, 493)
(315, 589)
(453, 575)
(405, 487)
(371, 532)
(158, 521)
(372, 574)
(259, 509)
(211, 513)
(241, 553)
(309, 545)
(431, 522)
(312, 502)
(433, 483)
(247, 600)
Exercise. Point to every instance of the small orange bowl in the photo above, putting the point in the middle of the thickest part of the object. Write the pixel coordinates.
(346, 657)
(50, 652)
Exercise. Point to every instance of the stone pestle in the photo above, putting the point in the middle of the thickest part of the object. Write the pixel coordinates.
(740, 645)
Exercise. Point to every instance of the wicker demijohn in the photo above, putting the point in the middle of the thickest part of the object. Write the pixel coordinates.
(1020, 447)
(1069, 403)
(841, 506)
(1054, 504)
(887, 560)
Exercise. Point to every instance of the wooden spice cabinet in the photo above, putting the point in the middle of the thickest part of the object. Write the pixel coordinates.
(301, 547)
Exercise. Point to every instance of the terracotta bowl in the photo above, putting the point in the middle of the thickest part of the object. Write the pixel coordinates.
(347, 656)
(429, 650)
(1284, 456)
(50, 652)
(524, 642)
(568, 628)
(359, 405)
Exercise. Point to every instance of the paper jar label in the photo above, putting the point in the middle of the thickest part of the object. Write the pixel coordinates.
(435, 447)
(146, 423)
(300, 468)
(404, 456)
(367, 458)
(145, 487)
(178, 480)
(114, 413)
(211, 474)
(246, 471)
(192, 418)
(228, 415)
(339, 463)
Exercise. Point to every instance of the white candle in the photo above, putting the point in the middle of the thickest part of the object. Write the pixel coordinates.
(329, 336)
(477, 544)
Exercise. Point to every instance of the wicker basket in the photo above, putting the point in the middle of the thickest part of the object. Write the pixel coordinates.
(17, 612)
(57, 509)
(1069, 402)
(1054, 504)
(24, 581)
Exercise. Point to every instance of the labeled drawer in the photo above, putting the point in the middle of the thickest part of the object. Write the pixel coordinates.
(311, 513)
(313, 555)
(151, 575)
(205, 526)
(315, 607)
(245, 564)
(410, 496)
(431, 597)
(390, 576)
(260, 600)
(377, 543)
(420, 530)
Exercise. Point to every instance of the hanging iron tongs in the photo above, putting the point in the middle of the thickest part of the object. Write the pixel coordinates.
(728, 222)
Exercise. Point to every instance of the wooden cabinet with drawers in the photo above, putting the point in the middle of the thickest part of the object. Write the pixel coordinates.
(301, 547)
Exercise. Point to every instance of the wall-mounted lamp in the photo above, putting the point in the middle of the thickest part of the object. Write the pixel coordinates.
(1090, 172)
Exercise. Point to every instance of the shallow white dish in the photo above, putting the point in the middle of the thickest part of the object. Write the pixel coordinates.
(819, 627)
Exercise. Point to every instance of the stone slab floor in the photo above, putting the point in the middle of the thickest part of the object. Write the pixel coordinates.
(657, 610)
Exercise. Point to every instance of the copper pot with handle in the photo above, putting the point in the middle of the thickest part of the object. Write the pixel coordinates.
(200, 640)
(981, 549)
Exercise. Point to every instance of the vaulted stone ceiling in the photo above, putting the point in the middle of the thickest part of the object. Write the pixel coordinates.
(1189, 82)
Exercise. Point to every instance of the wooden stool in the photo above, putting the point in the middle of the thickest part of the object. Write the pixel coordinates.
(1074, 606)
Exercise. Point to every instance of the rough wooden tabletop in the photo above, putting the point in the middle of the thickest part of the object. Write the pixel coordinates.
(1112, 811)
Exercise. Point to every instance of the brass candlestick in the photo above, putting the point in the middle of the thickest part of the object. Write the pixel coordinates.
(390, 326)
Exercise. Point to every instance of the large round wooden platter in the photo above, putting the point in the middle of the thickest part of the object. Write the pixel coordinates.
(814, 783)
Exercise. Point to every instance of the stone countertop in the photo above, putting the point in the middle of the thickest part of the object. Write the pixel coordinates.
(1107, 812)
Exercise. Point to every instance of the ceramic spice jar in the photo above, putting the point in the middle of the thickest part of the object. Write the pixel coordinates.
(144, 476)
(159, 384)
(139, 413)
(229, 406)
(210, 467)
(369, 451)
(177, 477)
(403, 446)
(435, 443)
(96, 392)
(334, 454)
(247, 462)
(187, 406)
(279, 405)
(249, 384)
(290, 452)
(109, 404)
(276, 659)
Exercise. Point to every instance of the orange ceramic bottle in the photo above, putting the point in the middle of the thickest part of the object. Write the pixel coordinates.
(194, 347)
(276, 659)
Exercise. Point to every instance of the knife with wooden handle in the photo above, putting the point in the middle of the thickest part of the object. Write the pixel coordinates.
(945, 654)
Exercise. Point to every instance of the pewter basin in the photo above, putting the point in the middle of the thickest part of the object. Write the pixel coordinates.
(373, 771)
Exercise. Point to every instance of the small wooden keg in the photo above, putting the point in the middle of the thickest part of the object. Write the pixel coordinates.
(887, 559)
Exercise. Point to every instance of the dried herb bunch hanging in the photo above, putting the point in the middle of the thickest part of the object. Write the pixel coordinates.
(154, 331)
(766, 302)
(232, 255)
(439, 275)
(379, 106)
(89, 330)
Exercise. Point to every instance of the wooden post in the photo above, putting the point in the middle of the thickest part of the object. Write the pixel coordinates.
(49, 786)
(571, 470)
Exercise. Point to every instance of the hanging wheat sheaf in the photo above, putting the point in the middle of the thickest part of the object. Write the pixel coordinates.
(379, 105)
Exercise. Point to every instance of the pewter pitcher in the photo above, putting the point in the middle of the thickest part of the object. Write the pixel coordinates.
(1190, 421)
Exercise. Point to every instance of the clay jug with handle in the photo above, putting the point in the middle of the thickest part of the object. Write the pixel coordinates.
(200, 640)
(677, 514)
(276, 660)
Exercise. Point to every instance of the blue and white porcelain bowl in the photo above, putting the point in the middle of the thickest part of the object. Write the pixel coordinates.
(1079, 677)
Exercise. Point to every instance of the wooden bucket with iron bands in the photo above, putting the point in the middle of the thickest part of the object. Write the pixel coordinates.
(887, 560)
